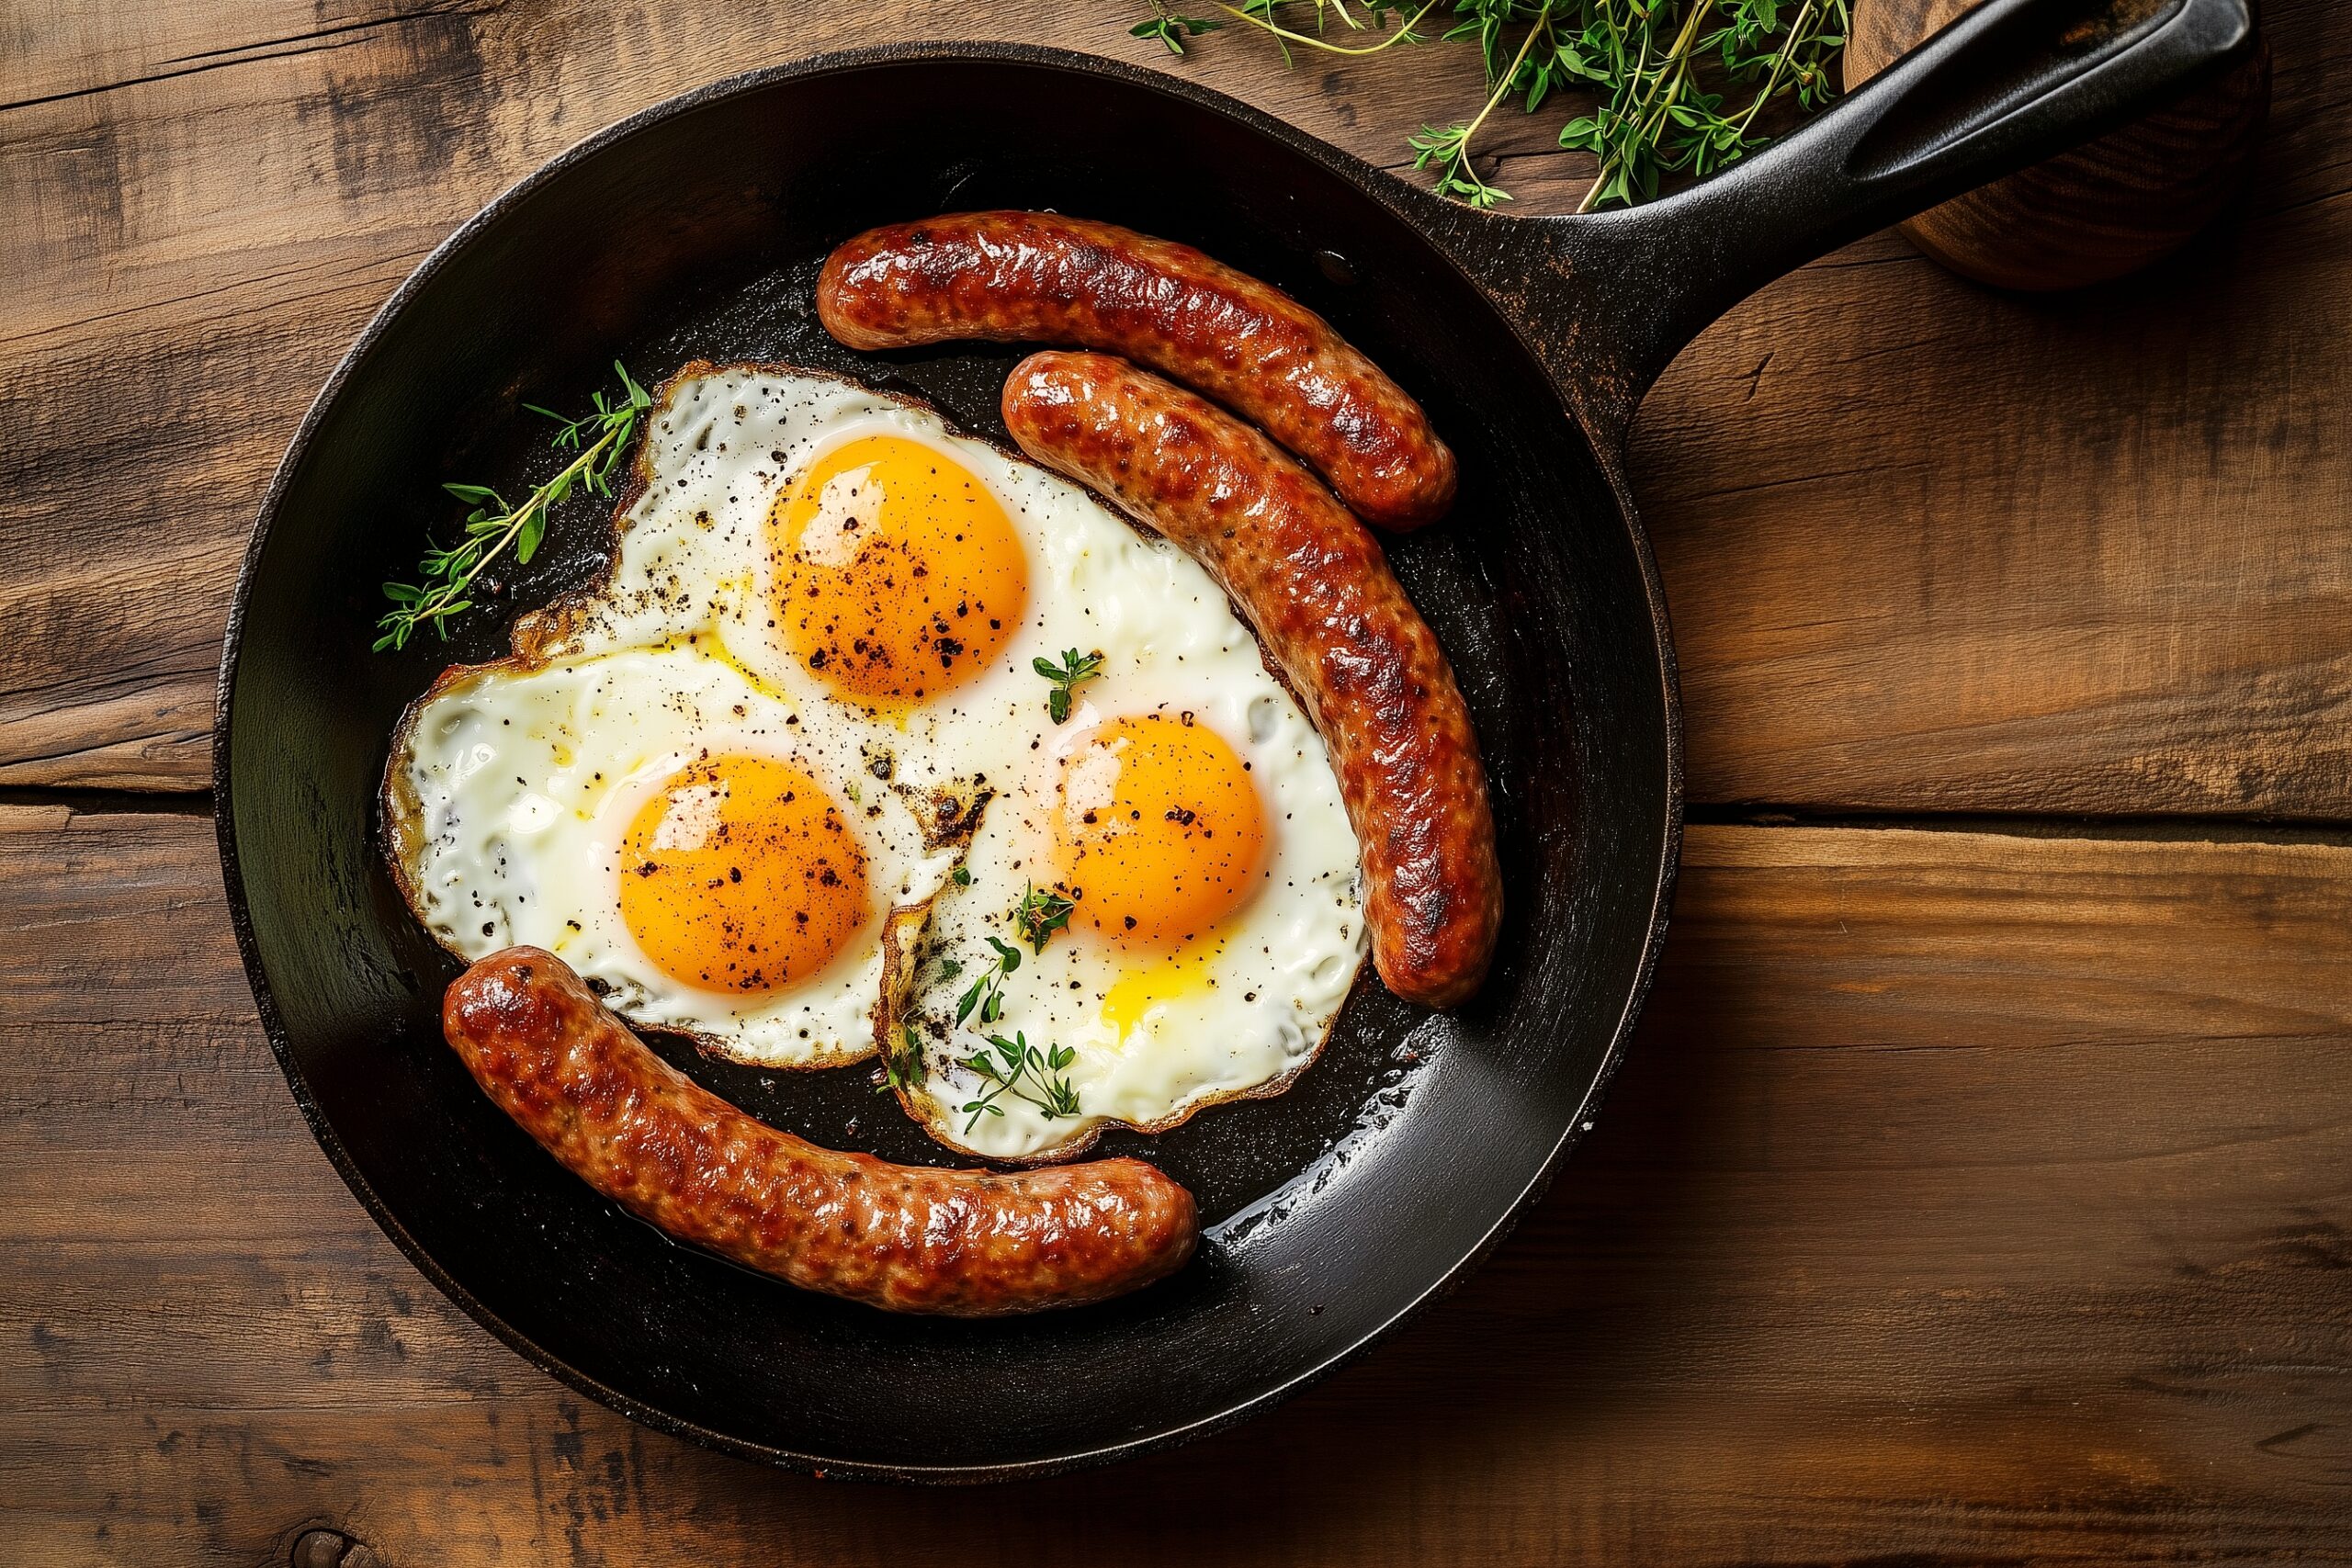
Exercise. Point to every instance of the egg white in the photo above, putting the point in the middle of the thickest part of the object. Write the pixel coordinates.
(1155, 1033)
(685, 635)
(519, 787)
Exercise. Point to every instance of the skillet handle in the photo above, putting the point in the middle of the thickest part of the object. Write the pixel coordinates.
(1613, 296)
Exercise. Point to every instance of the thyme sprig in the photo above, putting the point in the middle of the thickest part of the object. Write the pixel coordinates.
(492, 526)
(1676, 86)
(1041, 912)
(1016, 1062)
(986, 994)
(1450, 148)
(1260, 14)
(1171, 29)
(1074, 670)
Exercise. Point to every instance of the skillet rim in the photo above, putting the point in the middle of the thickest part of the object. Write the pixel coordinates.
(1442, 227)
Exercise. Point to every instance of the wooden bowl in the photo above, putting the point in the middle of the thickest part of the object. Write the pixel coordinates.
(2107, 208)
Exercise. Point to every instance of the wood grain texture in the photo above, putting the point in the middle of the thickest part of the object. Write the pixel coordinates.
(1969, 1199)
(1934, 548)
(199, 242)
(2129, 198)
(1990, 555)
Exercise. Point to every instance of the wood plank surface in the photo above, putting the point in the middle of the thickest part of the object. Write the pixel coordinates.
(1991, 553)
(1970, 1198)
(2082, 553)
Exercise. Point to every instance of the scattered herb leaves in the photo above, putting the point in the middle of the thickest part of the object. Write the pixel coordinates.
(1038, 916)
(1171, 29)
(903, 1067)
(1041, 912)
(1074, 670)
(1675, 86)
(986, 994)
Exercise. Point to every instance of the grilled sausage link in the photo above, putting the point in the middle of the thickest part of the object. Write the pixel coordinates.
(1315, 586)
(1040, 278)
(960, 1243)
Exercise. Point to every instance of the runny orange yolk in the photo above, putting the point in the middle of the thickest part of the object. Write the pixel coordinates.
(898, 575)
(1157, 830)
(742, 874)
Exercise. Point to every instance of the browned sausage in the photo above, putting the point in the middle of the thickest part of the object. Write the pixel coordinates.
(1334, 617)
(1040, 278)
(964, 1243)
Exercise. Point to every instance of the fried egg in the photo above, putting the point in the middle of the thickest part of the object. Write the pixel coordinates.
(712, 858)
(1188, 817)
(779, 781)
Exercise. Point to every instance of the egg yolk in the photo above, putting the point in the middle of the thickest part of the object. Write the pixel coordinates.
(742, 874)
(898, 574)
(1158, 829)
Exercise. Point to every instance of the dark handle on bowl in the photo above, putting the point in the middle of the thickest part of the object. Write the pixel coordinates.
(1612, 297)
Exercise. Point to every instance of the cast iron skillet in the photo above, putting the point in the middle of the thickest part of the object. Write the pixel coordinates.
(695, 228)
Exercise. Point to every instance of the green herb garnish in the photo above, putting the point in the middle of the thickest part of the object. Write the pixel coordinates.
(1035, 917)
(1171, 29)
(1017, 1062)
(1038, 916)
(1074, 670)
(901, 1067)
(1675, 86)
(492, 526)
(986, 994)
(1041, 912)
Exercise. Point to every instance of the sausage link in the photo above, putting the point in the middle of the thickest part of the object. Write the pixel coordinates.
(906, 1238)
(1040, 278)
(1314, 583)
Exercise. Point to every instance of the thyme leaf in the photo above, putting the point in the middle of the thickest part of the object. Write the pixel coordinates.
(1041, 912)
(1017, 1063)
(1074, 670)
(1171, 29)
(494, 527)
(902, 1064)
(985, 995)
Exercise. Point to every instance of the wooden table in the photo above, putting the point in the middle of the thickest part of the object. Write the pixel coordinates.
(1979, 1189)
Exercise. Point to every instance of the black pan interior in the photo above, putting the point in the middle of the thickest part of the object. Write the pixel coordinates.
(697, 232)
